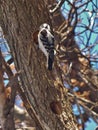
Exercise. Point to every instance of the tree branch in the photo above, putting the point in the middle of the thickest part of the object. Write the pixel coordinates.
(58, 6)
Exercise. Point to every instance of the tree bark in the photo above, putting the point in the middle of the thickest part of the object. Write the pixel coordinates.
(44, 89)
(7, 98)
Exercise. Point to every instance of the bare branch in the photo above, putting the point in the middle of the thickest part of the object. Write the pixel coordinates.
(58, 6)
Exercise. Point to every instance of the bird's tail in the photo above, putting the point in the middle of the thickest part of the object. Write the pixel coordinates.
(50, 60)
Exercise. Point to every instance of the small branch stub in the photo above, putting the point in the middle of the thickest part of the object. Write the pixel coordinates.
(56, 107)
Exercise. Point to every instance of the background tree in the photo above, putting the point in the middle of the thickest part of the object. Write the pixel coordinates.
(43, 92)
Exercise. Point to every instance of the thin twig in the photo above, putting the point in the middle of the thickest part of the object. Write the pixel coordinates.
(59, 4)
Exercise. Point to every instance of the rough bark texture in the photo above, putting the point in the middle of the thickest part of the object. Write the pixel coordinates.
(7, 97)
(2, 94)
(41, 87)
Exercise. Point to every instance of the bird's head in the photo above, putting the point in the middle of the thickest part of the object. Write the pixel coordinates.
(45, 26)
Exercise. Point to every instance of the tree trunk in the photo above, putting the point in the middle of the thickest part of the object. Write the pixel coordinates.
(44, 89)
(7, 100)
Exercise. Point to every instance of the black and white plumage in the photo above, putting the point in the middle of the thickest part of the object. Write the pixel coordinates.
(46, 26)
(46, 44)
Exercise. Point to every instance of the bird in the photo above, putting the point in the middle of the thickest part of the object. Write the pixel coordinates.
(46, 44)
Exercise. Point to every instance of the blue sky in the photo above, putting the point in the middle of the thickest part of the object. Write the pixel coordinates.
(90, 125)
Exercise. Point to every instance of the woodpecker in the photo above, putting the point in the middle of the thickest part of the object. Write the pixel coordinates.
(46, 43)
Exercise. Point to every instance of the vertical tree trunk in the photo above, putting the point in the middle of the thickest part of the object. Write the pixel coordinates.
(2, 94)
(6, 102)
(42, 88)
